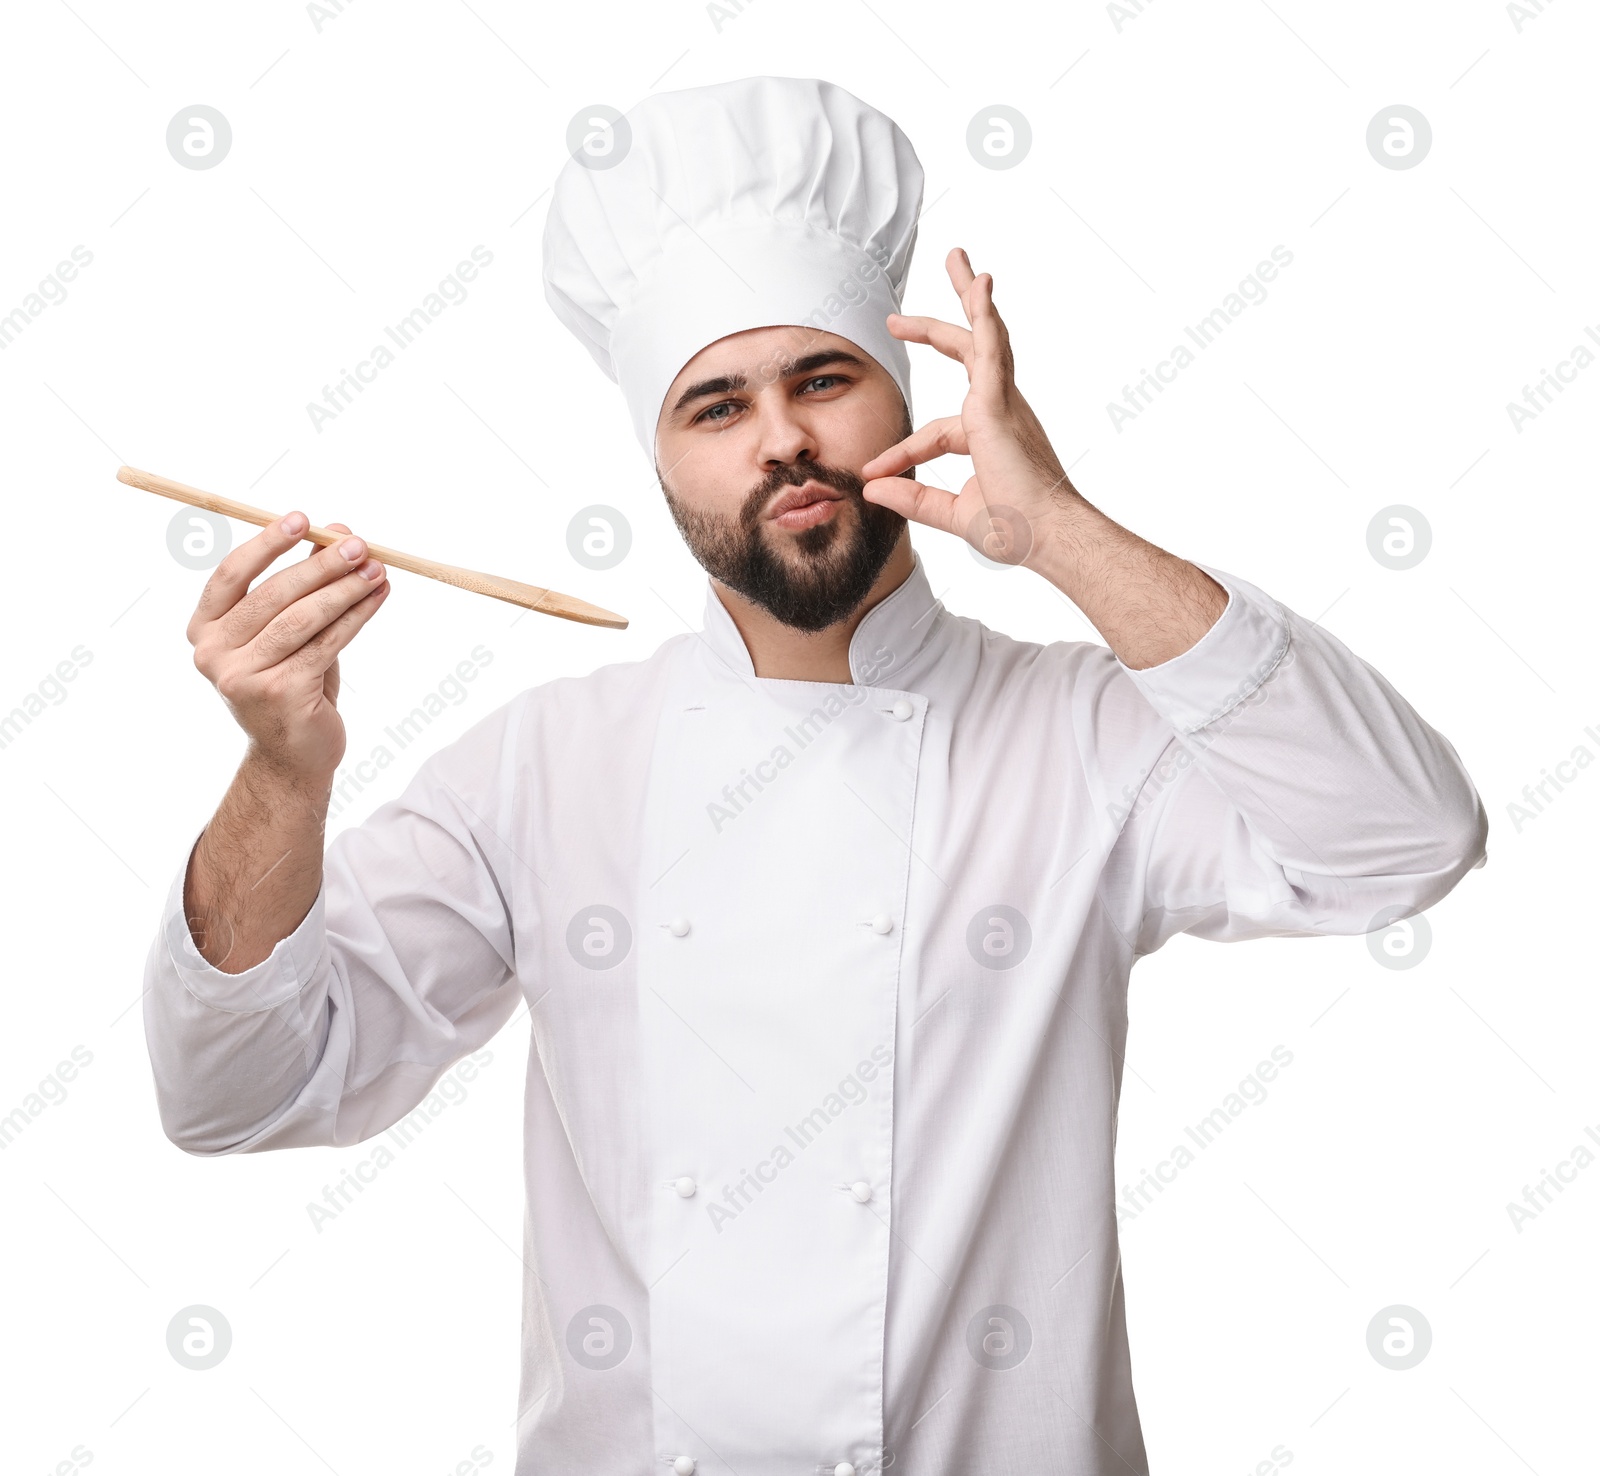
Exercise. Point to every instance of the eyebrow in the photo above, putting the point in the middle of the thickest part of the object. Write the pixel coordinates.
(725, 384)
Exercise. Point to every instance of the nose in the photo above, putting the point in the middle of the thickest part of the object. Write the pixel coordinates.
(784, 436)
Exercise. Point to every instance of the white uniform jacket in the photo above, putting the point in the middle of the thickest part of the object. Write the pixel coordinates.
(828, 988)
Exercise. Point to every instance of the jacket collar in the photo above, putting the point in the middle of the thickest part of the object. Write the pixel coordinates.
(889, 636)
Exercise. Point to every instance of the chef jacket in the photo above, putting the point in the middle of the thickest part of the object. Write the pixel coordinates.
(828, 986)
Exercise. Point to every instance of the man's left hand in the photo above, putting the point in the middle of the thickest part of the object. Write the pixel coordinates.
(1018, 492)
(1018, 506)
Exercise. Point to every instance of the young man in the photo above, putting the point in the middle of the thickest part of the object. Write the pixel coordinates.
(824, 914)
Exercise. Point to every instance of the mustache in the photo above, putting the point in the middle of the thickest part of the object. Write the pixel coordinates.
(797, 474)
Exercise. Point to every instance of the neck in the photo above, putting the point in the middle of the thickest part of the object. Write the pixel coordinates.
(781, 651)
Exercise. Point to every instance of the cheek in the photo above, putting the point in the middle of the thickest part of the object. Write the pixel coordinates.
(709, 474)
(861, 430)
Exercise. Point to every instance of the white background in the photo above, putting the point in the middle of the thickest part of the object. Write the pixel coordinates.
(1171, 152)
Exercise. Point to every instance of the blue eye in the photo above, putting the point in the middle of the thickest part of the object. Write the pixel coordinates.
(826, 380)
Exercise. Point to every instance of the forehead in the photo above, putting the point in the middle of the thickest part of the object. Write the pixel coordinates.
(760, 355)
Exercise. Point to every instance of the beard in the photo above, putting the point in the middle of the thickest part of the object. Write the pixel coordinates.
(830, 567)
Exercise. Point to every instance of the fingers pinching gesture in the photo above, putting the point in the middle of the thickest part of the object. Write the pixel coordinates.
(1017, 482)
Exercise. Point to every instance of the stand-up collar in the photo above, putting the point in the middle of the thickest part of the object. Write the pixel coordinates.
(889, 636)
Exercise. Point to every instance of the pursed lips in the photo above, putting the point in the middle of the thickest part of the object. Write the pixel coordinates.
(801, 507)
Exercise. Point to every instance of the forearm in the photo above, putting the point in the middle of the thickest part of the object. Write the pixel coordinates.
(1304, 793)
(257, 867)
(1148, 604)
(378, 960)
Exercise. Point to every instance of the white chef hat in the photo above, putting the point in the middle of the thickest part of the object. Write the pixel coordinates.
(758, 202)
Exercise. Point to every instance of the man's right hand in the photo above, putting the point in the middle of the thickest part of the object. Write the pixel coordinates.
(272, 652)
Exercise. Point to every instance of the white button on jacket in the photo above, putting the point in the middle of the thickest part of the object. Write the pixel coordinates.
(1028, 820)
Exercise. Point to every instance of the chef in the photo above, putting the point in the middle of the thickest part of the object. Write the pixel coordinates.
(824, 913)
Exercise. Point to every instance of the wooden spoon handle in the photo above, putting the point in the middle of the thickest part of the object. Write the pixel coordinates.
(545, 601)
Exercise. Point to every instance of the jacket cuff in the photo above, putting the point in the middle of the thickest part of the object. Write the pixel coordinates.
(277, 978)
(1233, 658)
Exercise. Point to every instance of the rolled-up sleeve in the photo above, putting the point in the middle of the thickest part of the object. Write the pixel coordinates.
(404, 964)
(1296, 791)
